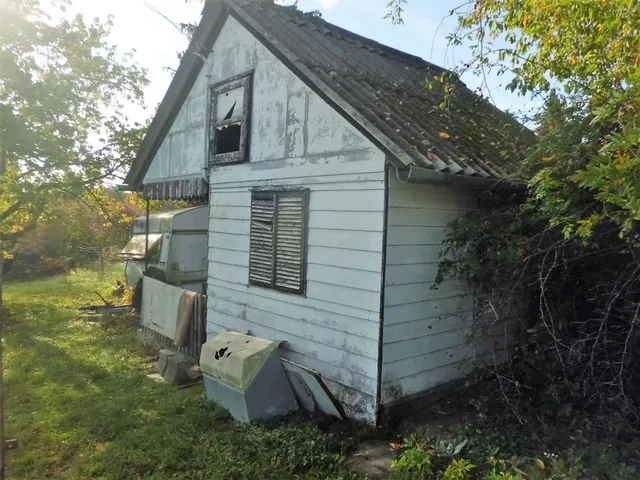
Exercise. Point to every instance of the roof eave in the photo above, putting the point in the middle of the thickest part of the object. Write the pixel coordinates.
(413, 174)
(190, 66)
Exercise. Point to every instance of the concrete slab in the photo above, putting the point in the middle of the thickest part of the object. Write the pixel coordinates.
(163, 361)
(177, 370)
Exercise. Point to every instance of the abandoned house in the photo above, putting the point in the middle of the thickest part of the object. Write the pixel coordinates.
(331, 173)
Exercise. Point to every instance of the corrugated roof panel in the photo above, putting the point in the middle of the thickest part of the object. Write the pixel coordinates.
(389, 88)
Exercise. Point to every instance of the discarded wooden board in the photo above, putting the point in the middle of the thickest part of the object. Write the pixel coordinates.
(107, 309)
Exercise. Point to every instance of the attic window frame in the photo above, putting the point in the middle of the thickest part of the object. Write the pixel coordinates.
(243, 80)
(261, 193)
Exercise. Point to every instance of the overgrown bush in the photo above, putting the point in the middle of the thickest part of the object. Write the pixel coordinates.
(40, 253)
(576, 304)
(417, 459)
(562, 259)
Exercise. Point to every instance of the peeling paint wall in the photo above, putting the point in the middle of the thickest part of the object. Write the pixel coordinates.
(182, 154)
(425, 330)
(298, 139)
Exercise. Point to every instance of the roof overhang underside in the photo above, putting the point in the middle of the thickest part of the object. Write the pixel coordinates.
(213, 16)
(181, 189)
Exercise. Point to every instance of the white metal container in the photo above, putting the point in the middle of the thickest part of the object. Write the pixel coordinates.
(245, 375)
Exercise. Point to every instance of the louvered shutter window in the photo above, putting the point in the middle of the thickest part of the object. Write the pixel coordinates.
(262, 228)
(278, 240)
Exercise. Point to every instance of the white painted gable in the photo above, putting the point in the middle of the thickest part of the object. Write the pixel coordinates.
(297, 139)
(182, 154)
(288, 119)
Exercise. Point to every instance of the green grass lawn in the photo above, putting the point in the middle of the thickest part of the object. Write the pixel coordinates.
(81, 405)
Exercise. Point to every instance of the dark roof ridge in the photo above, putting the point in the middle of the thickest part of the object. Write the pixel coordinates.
(382, 91)
(417, 61)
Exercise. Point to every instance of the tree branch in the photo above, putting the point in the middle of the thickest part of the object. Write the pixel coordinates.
(10, 211)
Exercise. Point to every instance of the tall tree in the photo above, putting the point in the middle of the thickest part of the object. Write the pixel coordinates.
(64, 87)
(582, 58)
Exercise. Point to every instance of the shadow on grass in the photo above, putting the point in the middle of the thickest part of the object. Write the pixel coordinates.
(78, 391)
(80, 402)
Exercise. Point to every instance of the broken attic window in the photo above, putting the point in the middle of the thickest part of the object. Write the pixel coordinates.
(229, 121)
(228, 138)
(229, 115)
(229, 105)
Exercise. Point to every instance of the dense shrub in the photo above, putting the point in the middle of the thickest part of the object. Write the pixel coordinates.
(563, 259)
(93, 228)
(576, 305)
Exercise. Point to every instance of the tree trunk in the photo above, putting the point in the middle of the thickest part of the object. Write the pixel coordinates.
(3, 167)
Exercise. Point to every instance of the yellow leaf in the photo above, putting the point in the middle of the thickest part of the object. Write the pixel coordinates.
(546, 159)
(444, 135)
(540, 464)
(7, 255)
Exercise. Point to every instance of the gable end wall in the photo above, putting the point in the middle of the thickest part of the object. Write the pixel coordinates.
(298, 140)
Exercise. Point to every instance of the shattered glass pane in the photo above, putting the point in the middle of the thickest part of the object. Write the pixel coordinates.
(136, 248)
(230, 105)
(228, 139)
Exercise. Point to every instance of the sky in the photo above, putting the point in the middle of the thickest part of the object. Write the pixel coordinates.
(157, 42)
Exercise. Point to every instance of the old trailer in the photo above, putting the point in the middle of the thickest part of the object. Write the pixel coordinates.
(176, 252)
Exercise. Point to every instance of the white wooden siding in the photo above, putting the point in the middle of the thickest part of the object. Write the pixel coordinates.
(335, 327)
(298, 140)
(425, 330)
